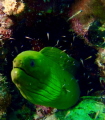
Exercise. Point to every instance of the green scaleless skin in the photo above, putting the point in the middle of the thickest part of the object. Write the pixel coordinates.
(46, 77)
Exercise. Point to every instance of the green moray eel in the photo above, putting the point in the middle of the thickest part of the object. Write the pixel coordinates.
(46, 77)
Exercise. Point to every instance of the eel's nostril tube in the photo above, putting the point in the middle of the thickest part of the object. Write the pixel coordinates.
(14, 61)
(17, 63)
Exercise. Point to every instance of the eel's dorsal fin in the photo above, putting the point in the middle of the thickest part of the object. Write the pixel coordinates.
(60, 57)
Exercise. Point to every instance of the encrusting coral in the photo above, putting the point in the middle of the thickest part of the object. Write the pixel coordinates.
(92, 10)
(90, 24)
(12, 7)
(5, 25)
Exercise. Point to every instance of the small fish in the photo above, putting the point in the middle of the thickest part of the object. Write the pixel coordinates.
(71, 44)
(16, 49)
(73, 38)
(82, 61)
(60, 47)
(63, 36)
(67, 90)
(28, 38)
(11, 38)
(74, 15)
(96, 115)
(57, 43)
(88, 57)
(67, 113)
(65, 40)
(48, 35)
(89, 91)
(63, 51)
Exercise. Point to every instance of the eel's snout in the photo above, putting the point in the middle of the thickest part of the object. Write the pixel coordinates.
(15, 73)
(17, 63)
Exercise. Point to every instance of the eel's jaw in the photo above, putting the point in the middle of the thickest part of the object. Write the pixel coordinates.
(20, 77)
(22, 70)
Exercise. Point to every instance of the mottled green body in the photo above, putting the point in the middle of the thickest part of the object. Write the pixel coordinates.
(46, 77)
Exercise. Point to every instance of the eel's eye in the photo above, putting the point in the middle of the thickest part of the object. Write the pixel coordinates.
(32, 63)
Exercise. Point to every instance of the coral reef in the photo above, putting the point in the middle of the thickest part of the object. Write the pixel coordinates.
(96, 34)
(32, 25)
(5, 26)
(91, 11)
(87, 109)
(100, 61)
(90, 25)
(13, 7)
(44, 112)
(5, 96)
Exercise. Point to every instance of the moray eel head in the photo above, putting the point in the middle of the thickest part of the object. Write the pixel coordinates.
(26, 70)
